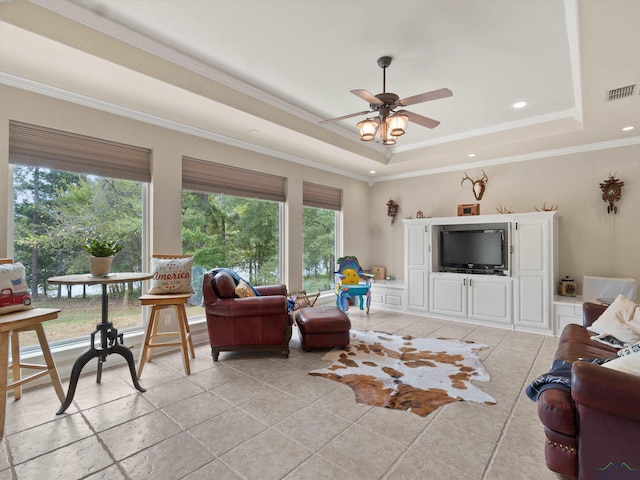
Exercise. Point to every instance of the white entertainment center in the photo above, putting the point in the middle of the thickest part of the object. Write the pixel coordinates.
(499, 270)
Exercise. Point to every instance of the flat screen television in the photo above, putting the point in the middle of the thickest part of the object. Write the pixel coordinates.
(474, 251)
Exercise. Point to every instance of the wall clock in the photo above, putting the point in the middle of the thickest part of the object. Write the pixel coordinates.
(611, 192)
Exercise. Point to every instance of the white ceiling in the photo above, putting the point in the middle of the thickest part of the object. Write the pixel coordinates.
(275, 68)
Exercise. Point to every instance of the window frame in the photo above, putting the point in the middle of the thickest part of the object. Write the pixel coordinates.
(74, 342)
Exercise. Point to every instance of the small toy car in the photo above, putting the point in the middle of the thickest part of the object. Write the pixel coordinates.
(8, 298)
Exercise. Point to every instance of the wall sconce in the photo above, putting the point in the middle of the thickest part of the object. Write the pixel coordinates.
(392, 210)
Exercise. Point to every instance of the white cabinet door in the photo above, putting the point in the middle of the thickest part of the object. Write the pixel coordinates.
(484, 298)
(417, 245)
(449, 294)
(417, 267)
(490, 299)
(533, 274)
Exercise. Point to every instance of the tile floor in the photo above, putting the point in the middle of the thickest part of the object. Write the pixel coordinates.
(258, 416)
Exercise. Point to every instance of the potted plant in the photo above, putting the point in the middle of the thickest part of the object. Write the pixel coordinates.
(102, 253)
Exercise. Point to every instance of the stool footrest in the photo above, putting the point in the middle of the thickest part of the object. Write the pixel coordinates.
(164, 344)
(24, 380)
(33, 366)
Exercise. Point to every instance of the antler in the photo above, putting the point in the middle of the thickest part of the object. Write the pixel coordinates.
(484, 178)
(466, 177)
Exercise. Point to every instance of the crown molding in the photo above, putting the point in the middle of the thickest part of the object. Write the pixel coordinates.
(525, 157)
(83, 100)
(502, 127)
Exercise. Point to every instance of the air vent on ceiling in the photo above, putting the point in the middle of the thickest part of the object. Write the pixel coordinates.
(622, 92)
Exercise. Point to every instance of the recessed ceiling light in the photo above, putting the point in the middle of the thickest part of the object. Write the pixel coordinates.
(520, 104)
(471, 155)
(372, 172)
(253, 132)
(626, 129)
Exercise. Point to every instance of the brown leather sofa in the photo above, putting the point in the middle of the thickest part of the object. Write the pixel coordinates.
(259, 322)
(593, 431)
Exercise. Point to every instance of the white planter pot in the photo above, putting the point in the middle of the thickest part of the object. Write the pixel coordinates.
(100, 266)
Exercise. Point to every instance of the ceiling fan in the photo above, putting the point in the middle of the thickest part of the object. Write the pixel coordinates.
(391, 123)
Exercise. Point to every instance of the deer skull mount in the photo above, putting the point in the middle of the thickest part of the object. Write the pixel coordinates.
(478, 184)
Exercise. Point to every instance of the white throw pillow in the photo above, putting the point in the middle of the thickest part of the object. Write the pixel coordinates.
(621, 320)
(171, 275)
(628, 364)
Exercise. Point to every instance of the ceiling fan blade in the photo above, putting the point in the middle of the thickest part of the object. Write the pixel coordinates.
(424, 97)
(344, 117)
(419, 119)
(367, 97)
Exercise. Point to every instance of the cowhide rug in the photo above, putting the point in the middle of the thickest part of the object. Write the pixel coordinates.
(406, 373)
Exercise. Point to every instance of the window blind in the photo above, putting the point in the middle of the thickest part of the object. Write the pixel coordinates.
(211, 177)
(39, 146)
(321, 196)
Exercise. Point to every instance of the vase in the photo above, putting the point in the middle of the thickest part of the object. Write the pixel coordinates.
(100, 266)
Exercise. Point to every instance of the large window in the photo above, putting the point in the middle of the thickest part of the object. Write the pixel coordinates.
(231, 218)
(68, 188)
(319, 235)
(55, 212)
(319, 249)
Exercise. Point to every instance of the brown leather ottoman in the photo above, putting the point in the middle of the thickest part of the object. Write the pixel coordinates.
(322, 327)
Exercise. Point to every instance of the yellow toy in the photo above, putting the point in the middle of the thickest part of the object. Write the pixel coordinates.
(351, 277)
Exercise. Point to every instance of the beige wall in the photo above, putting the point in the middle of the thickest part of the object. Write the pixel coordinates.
(168, 147)
(591, 242)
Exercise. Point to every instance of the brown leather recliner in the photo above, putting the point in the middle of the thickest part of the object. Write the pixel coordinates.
(260, 322)
(593, 431)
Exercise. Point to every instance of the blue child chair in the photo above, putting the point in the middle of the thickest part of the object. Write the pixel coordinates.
(351, 281)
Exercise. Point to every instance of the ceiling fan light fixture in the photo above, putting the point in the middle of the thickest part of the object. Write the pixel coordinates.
(397, 124)
(368, 129)
(389, 124)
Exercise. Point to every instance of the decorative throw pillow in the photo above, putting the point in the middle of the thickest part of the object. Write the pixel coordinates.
(244, 290)
(628, 364)
(171, 275)
(621, 320)
(14, 291)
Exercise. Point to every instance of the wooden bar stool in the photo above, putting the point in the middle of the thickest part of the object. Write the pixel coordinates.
(184, 341)
(11, 324)
(159, 302)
